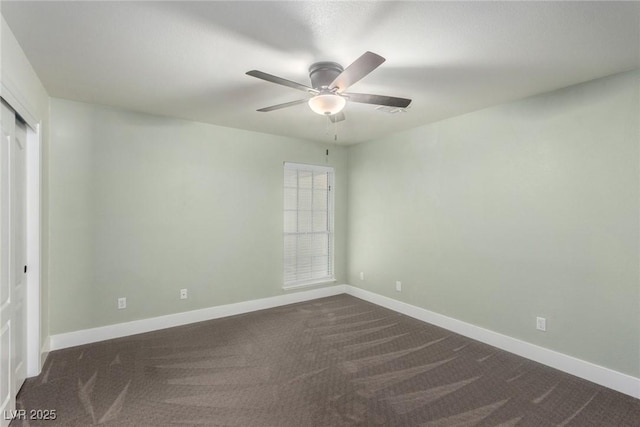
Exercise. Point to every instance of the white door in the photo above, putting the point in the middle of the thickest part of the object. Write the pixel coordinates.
(12, 261)
(18, 272)
(7, 398)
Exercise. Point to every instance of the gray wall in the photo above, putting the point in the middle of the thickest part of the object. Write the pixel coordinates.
(141, 206)
(495, 217)
(522, 210)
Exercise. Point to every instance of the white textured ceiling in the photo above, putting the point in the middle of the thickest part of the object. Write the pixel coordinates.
(188, 59)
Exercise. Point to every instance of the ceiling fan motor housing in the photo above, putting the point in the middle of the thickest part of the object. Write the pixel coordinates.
(323, 73)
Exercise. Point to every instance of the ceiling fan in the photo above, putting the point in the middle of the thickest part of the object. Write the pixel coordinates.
(329, 81)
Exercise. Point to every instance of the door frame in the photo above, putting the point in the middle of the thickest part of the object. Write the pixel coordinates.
(36, 352)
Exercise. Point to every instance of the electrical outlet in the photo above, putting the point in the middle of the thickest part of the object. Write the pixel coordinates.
(541, 323)
(362, 275)
(122, 303)
(398, 286)
(183, 294)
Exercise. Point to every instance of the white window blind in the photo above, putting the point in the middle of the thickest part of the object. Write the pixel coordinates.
(308, 224)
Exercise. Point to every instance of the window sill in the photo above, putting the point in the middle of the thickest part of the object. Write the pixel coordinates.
(308, 284)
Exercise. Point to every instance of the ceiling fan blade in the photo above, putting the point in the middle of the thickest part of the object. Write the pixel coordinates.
(285, 105)
(362, 66)
(337, 117)
(280, 81)
(389, 101)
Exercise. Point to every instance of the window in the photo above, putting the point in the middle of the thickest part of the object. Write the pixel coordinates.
(308, 224)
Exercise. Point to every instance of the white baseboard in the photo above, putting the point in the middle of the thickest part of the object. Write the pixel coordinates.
(87, 336)
(598, 374)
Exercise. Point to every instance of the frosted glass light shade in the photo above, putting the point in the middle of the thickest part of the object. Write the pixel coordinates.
(327, 104)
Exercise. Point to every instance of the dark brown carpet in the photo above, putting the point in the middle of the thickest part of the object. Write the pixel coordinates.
(337, 361)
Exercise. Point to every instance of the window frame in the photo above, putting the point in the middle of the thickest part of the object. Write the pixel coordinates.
(298, 282)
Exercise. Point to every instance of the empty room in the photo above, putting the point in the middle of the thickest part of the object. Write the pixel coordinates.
(313, 213)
